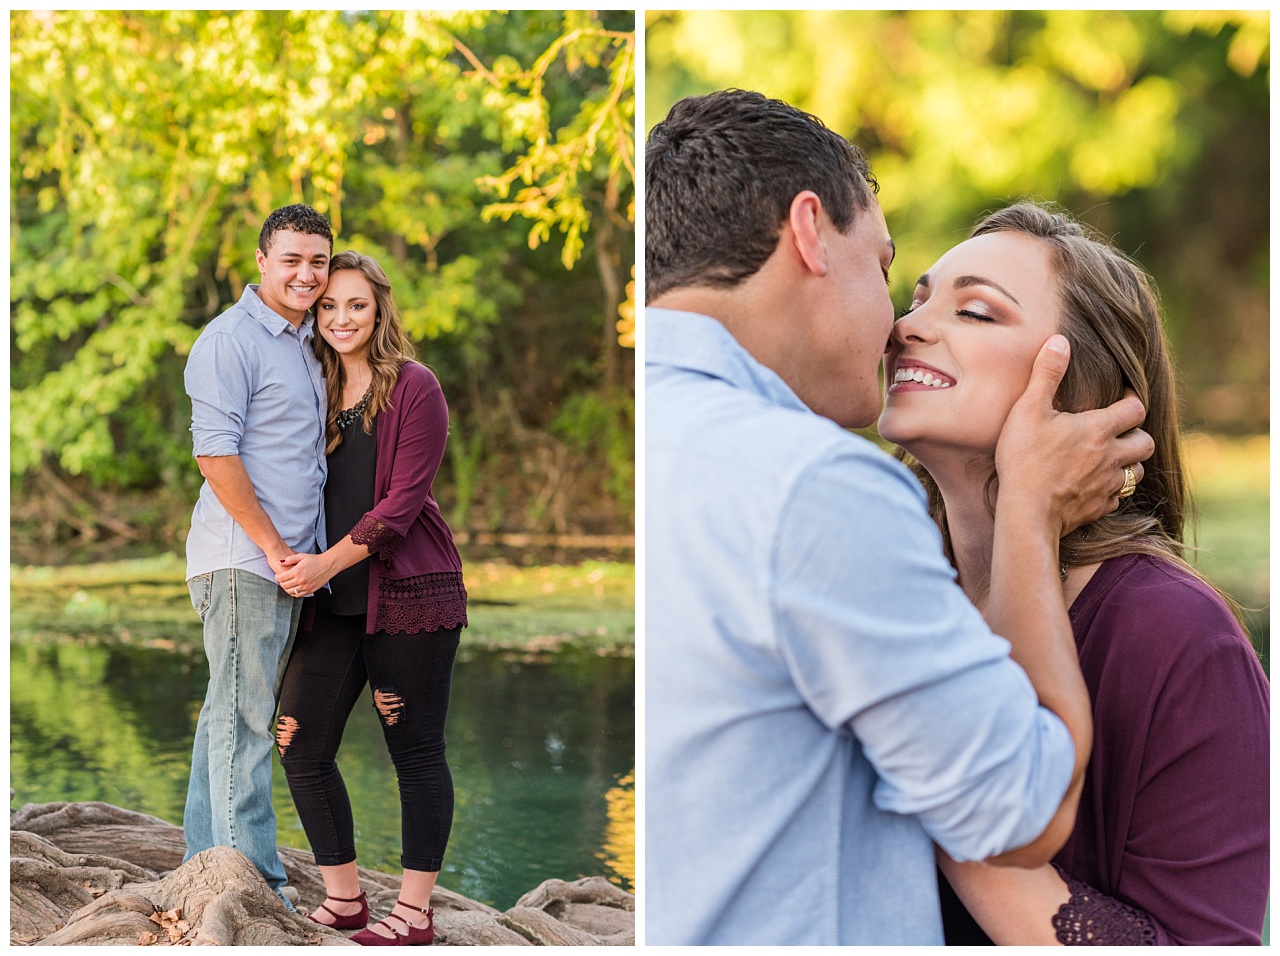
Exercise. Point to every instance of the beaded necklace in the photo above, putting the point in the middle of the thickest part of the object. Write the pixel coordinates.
(349, 415)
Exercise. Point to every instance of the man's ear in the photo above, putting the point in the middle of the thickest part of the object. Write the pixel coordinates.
(262, 260)
(805, 219)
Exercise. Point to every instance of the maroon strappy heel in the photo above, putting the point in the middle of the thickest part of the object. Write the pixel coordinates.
(353, 921)
(417, 935)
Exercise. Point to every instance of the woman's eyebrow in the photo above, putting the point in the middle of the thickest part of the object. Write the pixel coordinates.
(963, 282)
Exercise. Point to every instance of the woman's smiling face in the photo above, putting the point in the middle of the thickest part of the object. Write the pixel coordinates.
(962, 355)
(347, 311)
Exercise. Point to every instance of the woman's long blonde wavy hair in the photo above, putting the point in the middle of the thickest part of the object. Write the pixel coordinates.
(1110, 313)
(389, 348)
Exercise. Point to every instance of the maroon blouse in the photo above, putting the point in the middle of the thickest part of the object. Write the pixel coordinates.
(1171, 844)
(415, 573)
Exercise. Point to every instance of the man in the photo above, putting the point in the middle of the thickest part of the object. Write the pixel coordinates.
(258, 411)
(822, 701)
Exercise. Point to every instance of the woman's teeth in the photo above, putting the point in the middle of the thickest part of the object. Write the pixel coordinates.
(921, 376)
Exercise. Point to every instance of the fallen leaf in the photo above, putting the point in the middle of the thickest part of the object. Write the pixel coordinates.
(147, 939)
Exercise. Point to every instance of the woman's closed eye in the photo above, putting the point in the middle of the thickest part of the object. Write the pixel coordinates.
(975, 315)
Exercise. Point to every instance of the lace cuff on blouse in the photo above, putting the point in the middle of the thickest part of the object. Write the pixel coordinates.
(376, 536)
(1091, 918)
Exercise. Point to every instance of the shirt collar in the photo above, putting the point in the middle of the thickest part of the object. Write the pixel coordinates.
(699, 343)
(275, 323)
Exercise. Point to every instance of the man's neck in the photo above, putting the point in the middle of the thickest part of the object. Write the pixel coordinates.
(719, 304)
(291, 316)
(749, 313)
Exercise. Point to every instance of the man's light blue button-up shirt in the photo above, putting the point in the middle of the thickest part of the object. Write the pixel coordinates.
(821, 699)
(257, 391)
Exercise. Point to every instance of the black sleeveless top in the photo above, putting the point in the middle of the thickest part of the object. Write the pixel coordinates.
(348, 497)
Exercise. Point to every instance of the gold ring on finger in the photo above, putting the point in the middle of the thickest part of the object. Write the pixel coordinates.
(1130, 483)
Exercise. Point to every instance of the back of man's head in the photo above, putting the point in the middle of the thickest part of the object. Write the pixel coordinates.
(720, 174)
(296, 218)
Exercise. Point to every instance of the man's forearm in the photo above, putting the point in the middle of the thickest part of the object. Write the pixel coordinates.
(231, 484)
(1013, 907)
(1027, 607)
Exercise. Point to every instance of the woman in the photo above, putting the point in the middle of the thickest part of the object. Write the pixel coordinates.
(393, 621)
(1171, 841)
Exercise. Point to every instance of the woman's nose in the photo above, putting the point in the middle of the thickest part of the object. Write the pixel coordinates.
(915, 327)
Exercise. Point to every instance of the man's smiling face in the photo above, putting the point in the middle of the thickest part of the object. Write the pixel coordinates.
(294, 270)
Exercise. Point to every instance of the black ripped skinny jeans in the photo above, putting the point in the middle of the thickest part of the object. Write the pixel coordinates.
(410, 676)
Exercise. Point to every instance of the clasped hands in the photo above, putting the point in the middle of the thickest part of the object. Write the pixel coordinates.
(301, 575)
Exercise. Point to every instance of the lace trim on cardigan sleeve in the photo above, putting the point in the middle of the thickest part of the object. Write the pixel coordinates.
(1091, 918)
(377, 537)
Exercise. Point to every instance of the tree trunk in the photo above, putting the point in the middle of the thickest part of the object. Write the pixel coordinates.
(94, 874)
(610, 287)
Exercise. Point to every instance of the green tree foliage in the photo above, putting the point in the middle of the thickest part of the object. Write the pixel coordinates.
(147, 147)
(1151, 125)
(588, 164)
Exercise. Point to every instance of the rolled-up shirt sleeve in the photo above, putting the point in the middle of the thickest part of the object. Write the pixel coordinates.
(218, 379)
(882, 642)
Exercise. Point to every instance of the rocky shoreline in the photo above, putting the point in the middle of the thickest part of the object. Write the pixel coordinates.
(95, 874)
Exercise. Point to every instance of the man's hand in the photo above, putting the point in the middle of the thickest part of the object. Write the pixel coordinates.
(280, 561)
(1073, 464)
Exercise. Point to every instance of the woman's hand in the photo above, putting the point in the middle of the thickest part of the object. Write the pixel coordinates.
(304, 574)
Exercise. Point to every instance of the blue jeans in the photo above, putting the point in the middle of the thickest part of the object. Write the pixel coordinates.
(249, 626)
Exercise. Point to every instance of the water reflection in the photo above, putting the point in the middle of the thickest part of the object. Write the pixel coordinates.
(540, 749)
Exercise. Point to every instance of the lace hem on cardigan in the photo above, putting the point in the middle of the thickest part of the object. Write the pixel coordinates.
(376, 536)
(427, 602)
(1091, 918)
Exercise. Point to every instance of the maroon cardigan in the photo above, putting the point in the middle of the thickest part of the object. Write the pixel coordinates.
(415, 573)
(1172, 841)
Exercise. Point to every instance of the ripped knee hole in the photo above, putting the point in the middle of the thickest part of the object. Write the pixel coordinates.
(389, 706)
(286, 727)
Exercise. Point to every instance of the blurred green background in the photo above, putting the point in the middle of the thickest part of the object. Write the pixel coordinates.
(1153, 126)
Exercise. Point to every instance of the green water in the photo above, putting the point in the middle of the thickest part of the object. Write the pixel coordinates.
(536, 743)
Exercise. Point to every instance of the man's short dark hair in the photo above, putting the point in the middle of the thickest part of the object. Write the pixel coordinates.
(297, 218)
(720, 174)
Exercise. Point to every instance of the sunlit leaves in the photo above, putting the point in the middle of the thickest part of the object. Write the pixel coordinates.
(627, 315)
(557, 169)
(147, 146)
(1250, 45)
